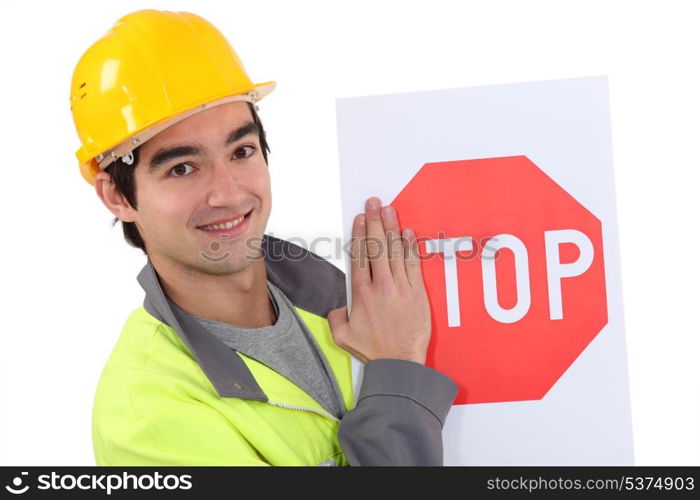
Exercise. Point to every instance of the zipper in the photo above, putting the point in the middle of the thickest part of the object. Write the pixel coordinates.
(318, 352)
(293, 407)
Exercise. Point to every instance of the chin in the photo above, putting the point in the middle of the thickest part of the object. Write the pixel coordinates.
(222, 265)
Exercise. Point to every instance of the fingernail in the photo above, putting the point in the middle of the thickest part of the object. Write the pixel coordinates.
(373, 203)
(360, 219)
(388, 211)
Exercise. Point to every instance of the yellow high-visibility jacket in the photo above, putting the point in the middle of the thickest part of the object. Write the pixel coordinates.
(171, 393)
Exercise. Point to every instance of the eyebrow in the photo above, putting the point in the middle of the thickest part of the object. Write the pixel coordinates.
(165, 155)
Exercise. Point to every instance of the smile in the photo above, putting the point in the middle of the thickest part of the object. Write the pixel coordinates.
(227, 225)
(228, 228)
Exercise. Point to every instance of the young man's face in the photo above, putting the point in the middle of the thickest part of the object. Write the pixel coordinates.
(216, 173)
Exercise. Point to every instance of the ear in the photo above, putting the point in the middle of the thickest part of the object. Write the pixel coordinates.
(112, 198)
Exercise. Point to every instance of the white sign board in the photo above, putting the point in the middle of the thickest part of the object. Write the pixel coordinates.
(510, 189)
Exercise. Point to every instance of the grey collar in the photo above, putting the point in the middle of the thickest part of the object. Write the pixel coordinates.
(309, 281)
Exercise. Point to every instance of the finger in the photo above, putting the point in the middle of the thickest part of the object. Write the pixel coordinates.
(412, 258)
(394, 244)
(359, 266)
(376, 241)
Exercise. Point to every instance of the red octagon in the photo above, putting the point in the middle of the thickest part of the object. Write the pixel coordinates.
(513, 313)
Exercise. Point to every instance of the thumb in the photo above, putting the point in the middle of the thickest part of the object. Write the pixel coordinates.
(338, 321)
(338, 317)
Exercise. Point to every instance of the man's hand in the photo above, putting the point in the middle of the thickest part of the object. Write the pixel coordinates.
(390, 315)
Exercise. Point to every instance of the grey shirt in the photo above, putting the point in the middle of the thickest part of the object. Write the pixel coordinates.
(286, 347)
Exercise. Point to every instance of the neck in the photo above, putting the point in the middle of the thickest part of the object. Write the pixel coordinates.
(240, 298)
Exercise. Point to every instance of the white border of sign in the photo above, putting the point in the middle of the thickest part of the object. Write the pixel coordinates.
(563, 126)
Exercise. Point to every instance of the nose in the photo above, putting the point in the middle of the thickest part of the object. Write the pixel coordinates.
(225, 188)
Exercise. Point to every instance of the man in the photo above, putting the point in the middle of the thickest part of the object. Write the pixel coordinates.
(240, 354)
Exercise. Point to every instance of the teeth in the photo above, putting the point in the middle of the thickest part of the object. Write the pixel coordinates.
(228, 225)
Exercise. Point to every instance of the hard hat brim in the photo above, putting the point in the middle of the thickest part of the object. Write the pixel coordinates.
(90, 168)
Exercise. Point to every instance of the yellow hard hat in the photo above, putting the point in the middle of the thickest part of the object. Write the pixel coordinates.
(151, 70)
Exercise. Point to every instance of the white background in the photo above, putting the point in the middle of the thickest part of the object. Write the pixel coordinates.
(68, 278)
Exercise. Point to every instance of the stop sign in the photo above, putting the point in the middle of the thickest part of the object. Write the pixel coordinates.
(514, 271)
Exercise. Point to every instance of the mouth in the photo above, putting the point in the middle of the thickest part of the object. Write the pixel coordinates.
(226, 228)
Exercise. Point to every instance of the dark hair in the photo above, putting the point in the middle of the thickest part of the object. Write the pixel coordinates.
(123, 177)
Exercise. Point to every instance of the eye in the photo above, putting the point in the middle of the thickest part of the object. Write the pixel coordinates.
(237, 153)
(179, 170)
